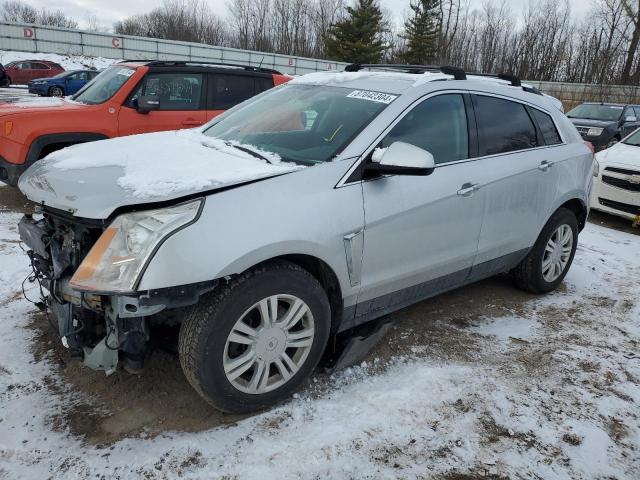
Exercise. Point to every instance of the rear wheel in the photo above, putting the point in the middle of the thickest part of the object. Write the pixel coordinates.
(548, 262)
(56, 92)
(251, 343)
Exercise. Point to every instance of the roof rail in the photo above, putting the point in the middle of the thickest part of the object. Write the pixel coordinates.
(160, 63)
(457, 73)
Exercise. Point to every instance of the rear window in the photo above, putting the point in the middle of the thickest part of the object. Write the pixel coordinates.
(504, 126)
(547, 127)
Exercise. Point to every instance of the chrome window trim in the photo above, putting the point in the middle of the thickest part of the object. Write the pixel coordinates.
(360, 159)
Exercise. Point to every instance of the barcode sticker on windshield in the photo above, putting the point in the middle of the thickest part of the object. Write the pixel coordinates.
(126, 72)
(373, 96)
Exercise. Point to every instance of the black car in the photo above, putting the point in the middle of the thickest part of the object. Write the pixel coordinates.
(605, 124)
(4, 79)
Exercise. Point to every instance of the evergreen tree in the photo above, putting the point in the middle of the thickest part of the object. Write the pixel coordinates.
(422, 32)
(357, 38)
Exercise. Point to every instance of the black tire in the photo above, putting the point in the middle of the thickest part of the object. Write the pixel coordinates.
(528, 274)
(56, 92)
(207, 325)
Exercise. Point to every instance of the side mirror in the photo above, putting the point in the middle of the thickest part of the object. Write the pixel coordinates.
(401, 159)
(630, 118)
(147, 104)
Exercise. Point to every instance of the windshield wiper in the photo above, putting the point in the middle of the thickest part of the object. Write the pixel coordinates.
(249, 151)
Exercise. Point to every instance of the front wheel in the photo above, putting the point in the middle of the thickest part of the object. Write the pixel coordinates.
(251, 343)
(548, 262)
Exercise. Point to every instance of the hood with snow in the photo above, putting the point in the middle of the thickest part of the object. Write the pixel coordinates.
(620, 154)
(92, 180)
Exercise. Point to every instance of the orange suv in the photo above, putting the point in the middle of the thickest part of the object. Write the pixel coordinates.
(127, 98)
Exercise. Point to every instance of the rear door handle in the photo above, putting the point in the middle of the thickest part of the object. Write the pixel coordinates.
(468, 189)
(544, 166)
(192, 122)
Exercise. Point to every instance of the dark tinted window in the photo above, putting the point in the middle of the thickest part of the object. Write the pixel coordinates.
(39, 66)
(226, 91)
(176, 91)
(548, 128)
(438, 125)
(504, 126)
(263, 84)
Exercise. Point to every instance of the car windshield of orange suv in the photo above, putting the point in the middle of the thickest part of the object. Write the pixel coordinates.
(104, 86)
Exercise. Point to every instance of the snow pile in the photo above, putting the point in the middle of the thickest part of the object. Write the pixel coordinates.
(35, 102)
(68, 62)
(167, 164)
(551, 392)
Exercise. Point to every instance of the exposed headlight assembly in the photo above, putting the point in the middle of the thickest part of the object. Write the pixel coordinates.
(116, 261)
(595, 132)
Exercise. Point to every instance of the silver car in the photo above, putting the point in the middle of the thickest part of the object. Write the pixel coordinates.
(300, 215)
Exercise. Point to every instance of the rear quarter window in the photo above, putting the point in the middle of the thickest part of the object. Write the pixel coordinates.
(503, 126)
(547, 127)
(228, 90)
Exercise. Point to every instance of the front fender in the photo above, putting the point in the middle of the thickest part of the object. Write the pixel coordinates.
(301, 213)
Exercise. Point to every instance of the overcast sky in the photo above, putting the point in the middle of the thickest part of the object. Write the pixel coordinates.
(110, 11)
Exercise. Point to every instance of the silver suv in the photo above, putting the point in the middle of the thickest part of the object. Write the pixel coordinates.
(299, 215)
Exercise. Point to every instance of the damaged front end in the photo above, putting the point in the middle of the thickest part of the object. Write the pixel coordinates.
(101, 326)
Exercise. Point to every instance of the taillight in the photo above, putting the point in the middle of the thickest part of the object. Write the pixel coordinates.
(591, 147)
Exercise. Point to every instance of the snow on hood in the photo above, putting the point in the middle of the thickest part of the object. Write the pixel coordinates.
(93, 179)
(31, 102)
(621, 154)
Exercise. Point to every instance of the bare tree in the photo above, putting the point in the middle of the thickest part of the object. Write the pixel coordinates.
(17, 11)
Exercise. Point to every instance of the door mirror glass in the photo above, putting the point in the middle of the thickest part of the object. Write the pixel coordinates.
(146, 104)
(401, 158)
(630, 118)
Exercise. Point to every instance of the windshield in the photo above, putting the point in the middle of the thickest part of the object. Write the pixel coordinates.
(104, 86)
(596, 112)
(62, 75)
(305, 124)
(633, 139)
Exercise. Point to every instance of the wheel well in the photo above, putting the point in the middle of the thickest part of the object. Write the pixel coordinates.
(327, 278)
(579, 209)
(52, 147)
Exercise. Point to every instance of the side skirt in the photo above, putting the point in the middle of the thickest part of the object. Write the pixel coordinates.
(380, 306)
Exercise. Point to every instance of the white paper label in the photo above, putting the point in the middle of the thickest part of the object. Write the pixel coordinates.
(373, 96)
(126, 72)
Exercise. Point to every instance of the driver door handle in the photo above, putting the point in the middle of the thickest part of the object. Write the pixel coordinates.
(545, 166)
(468, 189)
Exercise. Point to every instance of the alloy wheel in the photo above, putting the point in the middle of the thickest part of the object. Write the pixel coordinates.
(557, 253)
(268, 344)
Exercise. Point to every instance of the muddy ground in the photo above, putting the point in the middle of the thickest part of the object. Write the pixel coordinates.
(104, 410)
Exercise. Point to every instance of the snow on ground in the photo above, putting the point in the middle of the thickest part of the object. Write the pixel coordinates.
(550, 391)
(68, 62)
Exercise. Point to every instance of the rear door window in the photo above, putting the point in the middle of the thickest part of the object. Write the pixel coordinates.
(547, 127)
(503, 126)
(39, 66)
(226, 91)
